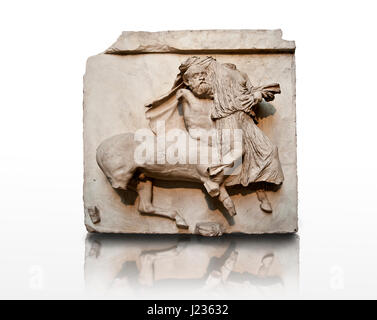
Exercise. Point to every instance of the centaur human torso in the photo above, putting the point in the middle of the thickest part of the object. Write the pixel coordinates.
(215, 98)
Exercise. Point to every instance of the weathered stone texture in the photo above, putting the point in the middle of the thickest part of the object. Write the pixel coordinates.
(116, 88)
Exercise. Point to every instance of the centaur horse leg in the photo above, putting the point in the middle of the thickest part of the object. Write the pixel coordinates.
(145, 191)
(227, 201)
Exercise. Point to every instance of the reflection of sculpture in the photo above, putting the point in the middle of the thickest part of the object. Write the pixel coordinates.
(217, 98)
(135, 265)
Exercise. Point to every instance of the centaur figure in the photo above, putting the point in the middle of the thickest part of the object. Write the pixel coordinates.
(215, 97)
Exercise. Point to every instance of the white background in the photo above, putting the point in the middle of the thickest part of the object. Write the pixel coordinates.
(44, 47)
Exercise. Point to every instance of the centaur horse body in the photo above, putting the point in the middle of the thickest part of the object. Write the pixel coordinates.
(194, 90)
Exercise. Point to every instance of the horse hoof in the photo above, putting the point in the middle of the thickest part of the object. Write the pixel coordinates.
(229, 205)
(232, 212)
(180, 222)
(266, 207)
(212, 188)
(214, 193)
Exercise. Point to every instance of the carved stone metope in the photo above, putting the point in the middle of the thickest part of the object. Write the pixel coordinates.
(203, 135)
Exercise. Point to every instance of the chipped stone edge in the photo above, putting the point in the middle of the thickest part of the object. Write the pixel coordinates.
(202, 41)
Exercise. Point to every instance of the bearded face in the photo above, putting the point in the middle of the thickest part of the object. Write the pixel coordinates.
(196, 78)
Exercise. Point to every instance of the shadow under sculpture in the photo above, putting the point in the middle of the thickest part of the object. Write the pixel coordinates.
(212, 100)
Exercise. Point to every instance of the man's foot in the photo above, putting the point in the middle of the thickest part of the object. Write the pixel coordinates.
(265, 205)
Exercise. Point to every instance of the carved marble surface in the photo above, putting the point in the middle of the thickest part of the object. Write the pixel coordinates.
(117, 85)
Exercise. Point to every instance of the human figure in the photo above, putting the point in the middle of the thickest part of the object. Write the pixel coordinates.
(232, 108)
